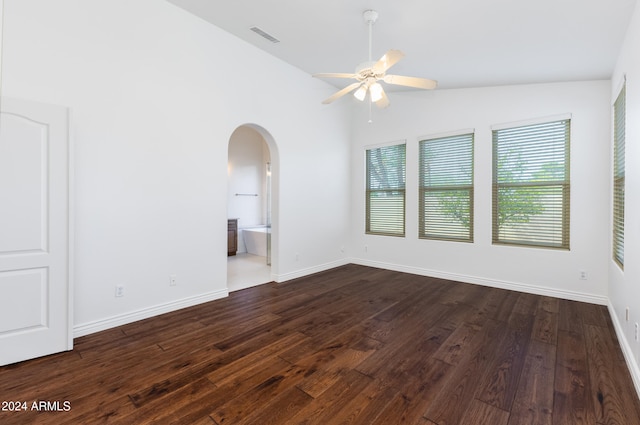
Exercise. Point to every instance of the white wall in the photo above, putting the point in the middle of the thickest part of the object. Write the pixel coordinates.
(624, 286)
(155, 94)
(545, 271)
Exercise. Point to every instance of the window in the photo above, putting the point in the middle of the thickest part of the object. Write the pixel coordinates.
(386, 170)
(446, 188)
(619, 110)
(531, 185)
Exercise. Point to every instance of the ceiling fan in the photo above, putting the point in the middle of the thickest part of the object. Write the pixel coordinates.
(369, 73)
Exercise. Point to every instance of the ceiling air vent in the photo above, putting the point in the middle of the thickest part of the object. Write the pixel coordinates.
(264, 35)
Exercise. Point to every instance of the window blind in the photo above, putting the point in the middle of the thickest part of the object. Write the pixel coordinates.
(385, 197)
(619, 113)
(531, 186)
(446, 188)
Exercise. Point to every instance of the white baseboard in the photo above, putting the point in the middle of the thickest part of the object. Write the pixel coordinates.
(122, 319)
(145, 313)
(305, 272)
(513, 286)
(632, 364)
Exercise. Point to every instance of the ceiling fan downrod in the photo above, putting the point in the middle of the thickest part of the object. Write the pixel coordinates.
(370, 17)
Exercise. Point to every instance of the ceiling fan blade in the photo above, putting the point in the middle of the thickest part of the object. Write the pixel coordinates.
(387, 61)
(419, 83)
(334, 75)
(341, 93)
(384, 101)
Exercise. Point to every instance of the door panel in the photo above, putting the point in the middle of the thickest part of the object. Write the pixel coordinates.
(23, 161)
(27, 308)
(34, 231)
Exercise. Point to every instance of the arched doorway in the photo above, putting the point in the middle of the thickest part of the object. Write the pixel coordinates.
(252, 206)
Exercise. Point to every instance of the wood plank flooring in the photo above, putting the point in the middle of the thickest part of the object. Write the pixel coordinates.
(352, 345)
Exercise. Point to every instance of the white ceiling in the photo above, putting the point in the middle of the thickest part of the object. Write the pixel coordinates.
(459, 43)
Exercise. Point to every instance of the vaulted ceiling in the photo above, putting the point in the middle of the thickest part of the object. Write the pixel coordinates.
(459, 43)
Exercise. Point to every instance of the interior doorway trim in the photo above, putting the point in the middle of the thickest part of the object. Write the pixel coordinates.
(275, 192)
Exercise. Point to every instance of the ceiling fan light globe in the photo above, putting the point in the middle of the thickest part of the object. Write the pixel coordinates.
(361, 93)
(376, 92)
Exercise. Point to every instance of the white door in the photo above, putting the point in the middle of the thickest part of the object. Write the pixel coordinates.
(35, 297)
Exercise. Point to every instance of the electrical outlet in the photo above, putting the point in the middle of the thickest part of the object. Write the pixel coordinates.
(119, 290)
(583, 275)
(173, 280)
(626, 314)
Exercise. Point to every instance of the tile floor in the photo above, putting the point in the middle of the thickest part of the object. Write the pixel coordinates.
(247, 270)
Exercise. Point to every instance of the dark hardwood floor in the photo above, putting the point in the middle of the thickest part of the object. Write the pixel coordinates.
(353, 345)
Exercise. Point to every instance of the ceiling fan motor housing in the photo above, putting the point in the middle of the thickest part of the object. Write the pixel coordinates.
(365, 70)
